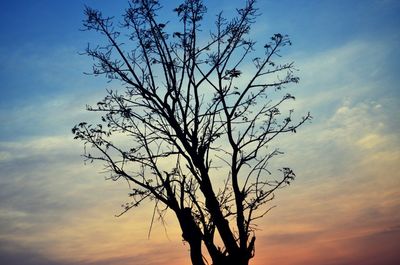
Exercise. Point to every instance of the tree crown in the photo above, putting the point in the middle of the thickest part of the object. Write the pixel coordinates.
(192, 128)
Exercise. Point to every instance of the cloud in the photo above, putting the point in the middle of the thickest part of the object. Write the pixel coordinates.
(53, 209)
(358, 71)
(42, 187)
(53, 206)
(377, 247)
(11, 253)
(157, 254)
(346, 161)
(352, 104)
(53, 116)
(15, 254)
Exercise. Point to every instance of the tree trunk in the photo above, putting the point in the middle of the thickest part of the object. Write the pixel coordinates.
(241, 257)
(232, 260)
(195, 253)
(191, 233)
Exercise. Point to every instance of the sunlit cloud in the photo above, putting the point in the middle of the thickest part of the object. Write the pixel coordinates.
(71, 208)
(347, 167)
(343, 207)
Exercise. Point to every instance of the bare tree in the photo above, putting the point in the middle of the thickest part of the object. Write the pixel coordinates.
(191, 129)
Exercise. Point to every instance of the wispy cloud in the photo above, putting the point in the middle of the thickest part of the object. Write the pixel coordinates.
(344, 199)
(319, 248)
(342, 209)
(54, 206)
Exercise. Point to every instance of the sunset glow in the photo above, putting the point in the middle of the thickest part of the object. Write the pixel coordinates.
(342, 209)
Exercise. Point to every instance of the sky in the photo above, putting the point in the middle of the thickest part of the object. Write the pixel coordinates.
(343, 208)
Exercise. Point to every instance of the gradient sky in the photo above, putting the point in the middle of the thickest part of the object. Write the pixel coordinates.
(343, 209)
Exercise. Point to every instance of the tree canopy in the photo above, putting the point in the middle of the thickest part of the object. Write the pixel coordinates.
(192, 125)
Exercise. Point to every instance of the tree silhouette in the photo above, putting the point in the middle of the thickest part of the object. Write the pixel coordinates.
(191, 129)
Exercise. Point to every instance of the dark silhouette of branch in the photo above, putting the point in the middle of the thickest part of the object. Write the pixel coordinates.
(188, 106)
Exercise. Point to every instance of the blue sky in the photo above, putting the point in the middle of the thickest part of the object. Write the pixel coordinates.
(41, 41)
(347, 158)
